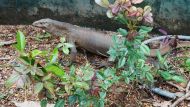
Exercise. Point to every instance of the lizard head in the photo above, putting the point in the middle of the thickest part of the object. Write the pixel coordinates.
(43, 23)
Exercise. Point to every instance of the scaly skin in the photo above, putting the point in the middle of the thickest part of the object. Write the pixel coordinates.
(91, 40)
(94, 41)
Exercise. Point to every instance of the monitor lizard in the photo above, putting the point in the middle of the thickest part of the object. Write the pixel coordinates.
(95, 41)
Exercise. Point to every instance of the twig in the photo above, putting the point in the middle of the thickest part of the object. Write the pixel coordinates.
(180, 99)
(187, 87)
(5, 58)
(7, 43)
(176, 86)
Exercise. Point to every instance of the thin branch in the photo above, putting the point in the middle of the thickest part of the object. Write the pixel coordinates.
(5, 58)
(187, 87)
(180, 99)
(7, 43)
(176, 86)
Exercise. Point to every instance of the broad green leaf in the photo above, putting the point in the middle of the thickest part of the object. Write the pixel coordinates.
(68, 45)
(65, 50)
(149, 77)
(121, 62)
(36, 53)
(68, 88)
(109, 14)
(54, 55)
(72, 70)
(166, 75)
(83, 85)
(59, 45)
(178, 79)
(60, 103)
(62, 39)
(159, 56)
(49, 86)
(121, 18)
(38, 87)
(72, 99)
(12, 80)
(21, 42)
(26, 60)
(101, 103)
(55, 69)
(123, 32)
(145, 49)
(141, 62)
(88, 74)
(144, 30)
(103, 3)
(187, 62)
(47, 77)
(43, 103)
(102, 95)
(2, 95)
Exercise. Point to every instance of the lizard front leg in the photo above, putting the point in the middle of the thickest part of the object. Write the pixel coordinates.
(73, 51)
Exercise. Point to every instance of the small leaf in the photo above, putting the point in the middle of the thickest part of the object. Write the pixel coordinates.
(144, 30)
(83, 85)
(47, 77)
(21, 42)
(12, 80)
(121, 62)
(68, 88)
(59, 45)
(62, 39)
(123, 32)
(159, 56)
(187, 62)
(102, 95)
(43, 103)
(65, 50)
(178, 79)
(49, 86)
(145, 49)
(38, 87)
(68, 45)
(60, 103)
(149, 77)
(55, 69)
(72, 99)
(103, 3)
(2, 95)
(166, 75)
(109, 14)
(121, 18)
(141, 63)
(54, 55)
(72, 70)
(36, 53)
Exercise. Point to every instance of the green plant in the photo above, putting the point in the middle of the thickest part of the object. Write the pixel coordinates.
(64, 46)
(29, 68)
(187, 64)
(164, 70)
(42, 70)
(128, 50)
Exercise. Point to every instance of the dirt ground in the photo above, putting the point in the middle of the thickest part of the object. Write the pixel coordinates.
(134, 96)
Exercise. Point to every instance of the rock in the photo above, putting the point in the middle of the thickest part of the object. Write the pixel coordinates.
(172, 15)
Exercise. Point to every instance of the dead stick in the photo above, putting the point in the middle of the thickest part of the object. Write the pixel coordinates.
(187, 87)
(176, 86)
(7, 42)
(180, 99)
(5, 58)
